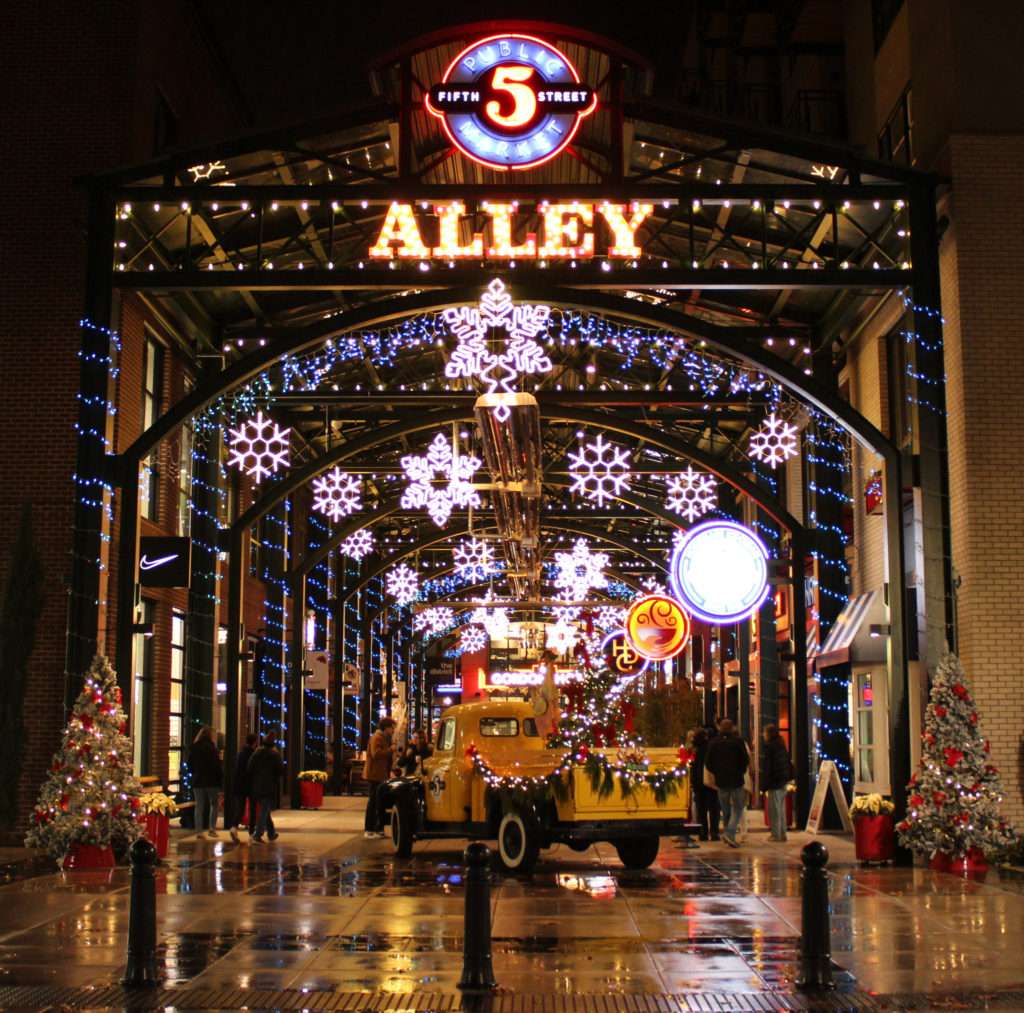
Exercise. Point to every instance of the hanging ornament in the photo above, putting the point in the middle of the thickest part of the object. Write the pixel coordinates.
(521, 355)
(561, 637)
(473, 557)
(358, 544)
(609, 617)
(337, 494)
(494, 621)
(433, 620)
(259, 447)
(599, 471)
(580, 571)
(402, 583)
(775, 442)
(439, 464)
(691, 493)
(472, 639)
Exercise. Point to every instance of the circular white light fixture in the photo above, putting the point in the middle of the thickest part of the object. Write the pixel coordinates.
(720, 571)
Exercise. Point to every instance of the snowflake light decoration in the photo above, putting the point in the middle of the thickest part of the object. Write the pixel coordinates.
(358, 544)
(259, 447)
(677, 538)
(580, 570)
(402, 583)
(691, 493)
(472, 639)
(561, 637)
(599, 470)
(610, 617)
(565, 613)
(440, 464)
(337, 494)
(775, 442)
(473, 558)
(494, 621)
(433, 620)
(522, 355)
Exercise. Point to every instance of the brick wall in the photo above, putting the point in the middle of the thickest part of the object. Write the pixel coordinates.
(981, 259)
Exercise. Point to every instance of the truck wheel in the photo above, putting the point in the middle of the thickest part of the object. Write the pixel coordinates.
(517, 845)
(401, 828)
(578, 845)
(638, 852)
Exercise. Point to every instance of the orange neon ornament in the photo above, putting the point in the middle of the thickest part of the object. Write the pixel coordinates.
(658, 627)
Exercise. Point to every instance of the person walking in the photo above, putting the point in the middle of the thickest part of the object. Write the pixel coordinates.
(380, 759)
(265, 770)
(415, 752)
(705, 799)
(207, 779)
(776, 772)
(240, 793)
(728, 759)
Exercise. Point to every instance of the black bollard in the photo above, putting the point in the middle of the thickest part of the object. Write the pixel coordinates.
(477, 972)
(815, 927)
(141, 970)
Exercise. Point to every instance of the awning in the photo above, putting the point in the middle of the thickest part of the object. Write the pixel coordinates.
(850, 639)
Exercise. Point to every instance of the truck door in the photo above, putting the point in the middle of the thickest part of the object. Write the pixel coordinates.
(438, 770)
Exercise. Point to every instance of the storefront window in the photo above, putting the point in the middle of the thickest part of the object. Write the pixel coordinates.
(152, 386)
(176, 718)
(864, 708)
(142, 681)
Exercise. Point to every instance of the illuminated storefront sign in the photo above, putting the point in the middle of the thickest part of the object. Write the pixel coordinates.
(511, 101)
(569, 231)
(720, 571)
(621, 656)
(658, 627)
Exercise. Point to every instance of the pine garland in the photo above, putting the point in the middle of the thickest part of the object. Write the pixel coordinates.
(953, 799)
(90, 795)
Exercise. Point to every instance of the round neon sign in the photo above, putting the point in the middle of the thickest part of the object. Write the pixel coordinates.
(511, 101)
(658, 627)
(621, 656)
(720, 570)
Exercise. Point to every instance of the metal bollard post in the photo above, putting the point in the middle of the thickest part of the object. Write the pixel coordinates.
(815, 928)
(141, 970)
(477, 972)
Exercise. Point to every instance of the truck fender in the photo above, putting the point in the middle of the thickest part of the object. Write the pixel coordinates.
(408, 791)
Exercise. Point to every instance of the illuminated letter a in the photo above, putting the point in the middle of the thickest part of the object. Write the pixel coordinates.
(400, 227)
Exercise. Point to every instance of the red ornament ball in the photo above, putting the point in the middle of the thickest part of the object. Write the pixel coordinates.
(961, 691)
(940, 711)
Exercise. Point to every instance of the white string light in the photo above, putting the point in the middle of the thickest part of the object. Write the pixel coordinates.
(259, 447)
(337, 494)
(473, 557)
(358, 544)
(691, 493)
(440, 464)
(599, 471)
(581, 570)
(775, 442)
(402, 583)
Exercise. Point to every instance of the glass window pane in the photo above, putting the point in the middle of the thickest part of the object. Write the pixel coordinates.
(865, 765)
(174, 727)
(175, 697)
(178, 629)
(174, 766)
(865, 728)
(499, 727)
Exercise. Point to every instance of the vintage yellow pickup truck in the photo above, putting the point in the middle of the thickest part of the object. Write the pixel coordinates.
(452, 798)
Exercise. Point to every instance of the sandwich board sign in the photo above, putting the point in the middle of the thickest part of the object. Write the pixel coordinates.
(828, 780)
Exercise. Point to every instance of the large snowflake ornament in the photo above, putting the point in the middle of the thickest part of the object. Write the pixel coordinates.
(565, 613)
(691, 493)
(473, 558)
(433, 620)
(581, 570)
(259, 447)
(610, 617)
(775, 442)
(439, 464)
(561, 637)
(494, 621)
(599, 471)
(402, 583)
(521, 355)
(337, 494)
(358, 544)
(472, 639)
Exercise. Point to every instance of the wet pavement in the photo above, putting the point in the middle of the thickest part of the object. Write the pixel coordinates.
(322, 909)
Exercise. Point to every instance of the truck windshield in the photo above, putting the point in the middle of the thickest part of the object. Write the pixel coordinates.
(504, 728)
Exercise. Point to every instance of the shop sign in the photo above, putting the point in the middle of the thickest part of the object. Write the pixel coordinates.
(164, 561)
(511, 101)
(570, 230)
(621, 656)
(658, 627)
(719, 571)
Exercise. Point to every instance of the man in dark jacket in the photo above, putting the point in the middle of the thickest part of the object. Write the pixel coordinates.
(240, 794)
(705, 799)
(265, 771)
(207, 778)
(776, 772)
(728, 759)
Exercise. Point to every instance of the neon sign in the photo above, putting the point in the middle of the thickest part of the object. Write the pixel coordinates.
(569, 231)
(511, 101)
(720, 570)
(658, 627)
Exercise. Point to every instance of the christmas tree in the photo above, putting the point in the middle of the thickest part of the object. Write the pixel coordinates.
(90, 795)
(953, 799)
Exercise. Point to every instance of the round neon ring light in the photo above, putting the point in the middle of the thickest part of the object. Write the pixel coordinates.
(720, 570)
(658, 627)
(625, 639)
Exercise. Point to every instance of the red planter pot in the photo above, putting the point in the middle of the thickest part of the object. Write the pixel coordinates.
(789, 809)
(311, 794)
(157, 829)
(874, 838)
(89, 856)
(973, 865)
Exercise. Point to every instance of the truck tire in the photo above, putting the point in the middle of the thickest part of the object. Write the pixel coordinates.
(402, 827)
(637, 852)
(518, 846)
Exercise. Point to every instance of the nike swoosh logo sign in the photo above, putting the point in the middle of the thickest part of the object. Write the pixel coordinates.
(151, 564)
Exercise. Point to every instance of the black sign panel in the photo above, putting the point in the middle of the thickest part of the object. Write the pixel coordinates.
(164, 562)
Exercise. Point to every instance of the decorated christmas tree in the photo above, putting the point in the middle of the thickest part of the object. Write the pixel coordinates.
(90, 795)
(953, 799)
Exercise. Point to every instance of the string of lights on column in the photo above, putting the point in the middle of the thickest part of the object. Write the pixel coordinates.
(317, 593)
(275, 660)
